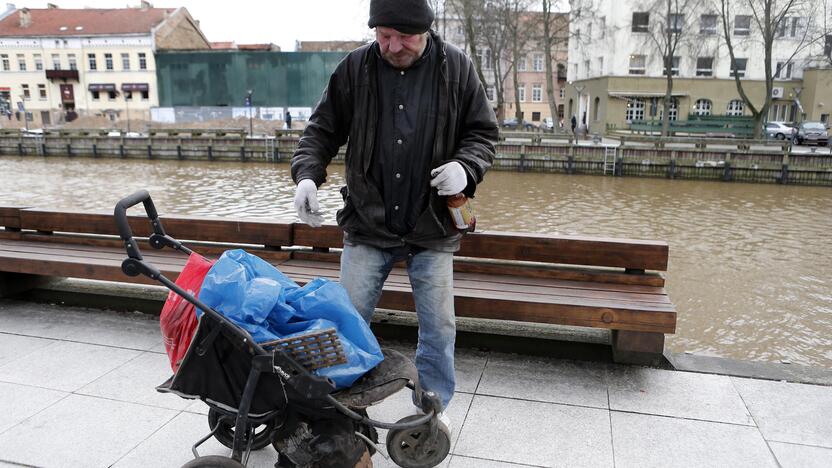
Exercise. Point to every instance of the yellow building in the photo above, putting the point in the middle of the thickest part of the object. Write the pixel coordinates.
(57, 64)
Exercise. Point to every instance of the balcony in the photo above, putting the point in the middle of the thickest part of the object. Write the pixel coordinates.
(62, 75)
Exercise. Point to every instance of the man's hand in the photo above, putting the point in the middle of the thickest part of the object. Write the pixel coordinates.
(449, 178)
(306, 203)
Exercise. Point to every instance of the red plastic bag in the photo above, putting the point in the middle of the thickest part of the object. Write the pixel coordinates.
(178, 320)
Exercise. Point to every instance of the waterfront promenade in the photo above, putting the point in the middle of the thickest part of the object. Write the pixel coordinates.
(77, 390)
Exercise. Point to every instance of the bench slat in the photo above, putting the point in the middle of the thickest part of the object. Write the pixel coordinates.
(272, 233)
(568, 250)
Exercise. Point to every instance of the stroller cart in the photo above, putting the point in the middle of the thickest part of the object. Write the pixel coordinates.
(267, 393)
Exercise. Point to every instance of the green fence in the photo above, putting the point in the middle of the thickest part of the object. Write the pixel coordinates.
(740, 127)
(223, 78)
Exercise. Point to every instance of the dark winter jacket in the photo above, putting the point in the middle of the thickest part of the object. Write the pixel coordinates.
(348, 112)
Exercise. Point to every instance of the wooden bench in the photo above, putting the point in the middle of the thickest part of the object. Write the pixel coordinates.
(613, 284)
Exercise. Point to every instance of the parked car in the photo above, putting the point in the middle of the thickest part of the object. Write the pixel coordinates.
(780, 130)
(512, 124)
(812, 132)
(548, 124)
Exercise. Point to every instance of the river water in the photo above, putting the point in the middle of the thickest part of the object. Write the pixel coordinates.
(750, 265)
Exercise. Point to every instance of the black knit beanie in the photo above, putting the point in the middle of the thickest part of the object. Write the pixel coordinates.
(405, 16)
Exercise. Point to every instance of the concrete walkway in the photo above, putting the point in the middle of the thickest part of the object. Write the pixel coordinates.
(77, 390)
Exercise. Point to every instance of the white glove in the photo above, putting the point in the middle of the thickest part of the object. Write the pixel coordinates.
(449, 178)
(306, 203)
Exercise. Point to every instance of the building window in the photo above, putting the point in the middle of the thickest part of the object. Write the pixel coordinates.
(735, 108)
(145, 95)
(111, 95)
(742, 25)
(537, 93)
(26, 94)
(108, 61)
(42, 91)
(537, 62)
(93, 65)
(5, 60)
(587, 70)
(600, 66)
(38, 62)
(602, 22)
(484, 56)
(827, 46)
(674, 66)
(125, 61)
(783, 70)
(738, 67)
(595, 107)
(704, 66)
(95, 95)
(562, 93)
(635, 109)
(535, 116)
(521, 90)
(641, 21)
(672, 111)
(56, 61)
(638, 64)
(521, 63)
(702, 107)
(675, 23)
(707, 24)
(21, 62)
(73, 64)
(142, 61)
(489, 92)
(791, 26)
(128, 95)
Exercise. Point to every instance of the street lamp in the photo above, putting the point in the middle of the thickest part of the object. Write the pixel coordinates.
(248, 104)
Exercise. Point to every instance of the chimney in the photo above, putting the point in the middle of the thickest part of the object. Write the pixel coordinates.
(51, 6)
(25, 17)
(146, 5)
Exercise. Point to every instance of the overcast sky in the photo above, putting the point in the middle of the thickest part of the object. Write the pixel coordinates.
(248, 21)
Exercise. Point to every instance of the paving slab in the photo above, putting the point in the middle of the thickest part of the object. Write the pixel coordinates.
(678, 394)
(469, 363)
(789, 412)
(81, 431)
(801, 456)
(16, 346)
(467, 462)
(65, 365)
(645, 441)
(19, 402)
(135, 331)
(535, 433)
(544, 379)
(135, 381)
(170, 446)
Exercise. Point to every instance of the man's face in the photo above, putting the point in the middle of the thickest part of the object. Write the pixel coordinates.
(400, 50)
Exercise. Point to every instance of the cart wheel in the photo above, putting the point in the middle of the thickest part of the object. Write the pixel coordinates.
(225, 433)
(213, 461)
(409, 449)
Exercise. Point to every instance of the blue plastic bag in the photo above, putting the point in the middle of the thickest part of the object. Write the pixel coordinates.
(259, 298)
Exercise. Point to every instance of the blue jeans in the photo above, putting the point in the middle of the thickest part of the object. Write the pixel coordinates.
(363, 272)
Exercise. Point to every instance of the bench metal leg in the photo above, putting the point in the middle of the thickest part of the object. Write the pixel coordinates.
(16, 283)
(640, 348)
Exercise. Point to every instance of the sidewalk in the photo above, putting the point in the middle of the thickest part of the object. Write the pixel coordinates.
(77, 390)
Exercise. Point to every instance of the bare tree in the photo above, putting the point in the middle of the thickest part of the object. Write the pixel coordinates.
(555, 32)
(519, 28)
(470, 13)
(769, 18)
(669, 35)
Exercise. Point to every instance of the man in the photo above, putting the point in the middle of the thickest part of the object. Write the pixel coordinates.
(419, 128)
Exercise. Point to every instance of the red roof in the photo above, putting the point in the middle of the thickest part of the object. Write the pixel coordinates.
(255, 46)
(66, 22)
(223, 45)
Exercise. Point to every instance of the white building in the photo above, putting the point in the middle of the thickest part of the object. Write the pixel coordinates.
(616, 64)
(57, 64)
